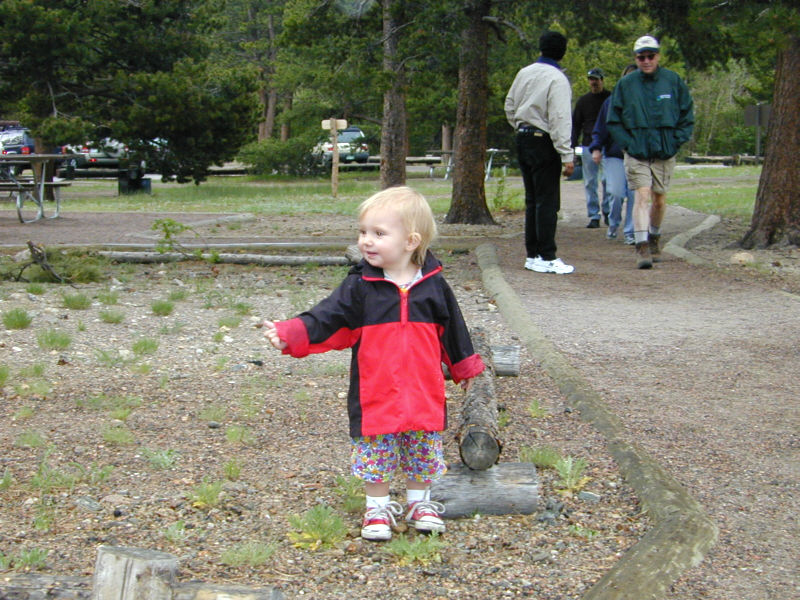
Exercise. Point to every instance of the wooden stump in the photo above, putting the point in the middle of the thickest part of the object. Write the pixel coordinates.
(133, 574)
(478, 432)
(507, 488)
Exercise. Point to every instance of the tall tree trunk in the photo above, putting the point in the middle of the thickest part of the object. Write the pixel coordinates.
(468, 204)
(393, 131)
(268, 94)
(776, 215)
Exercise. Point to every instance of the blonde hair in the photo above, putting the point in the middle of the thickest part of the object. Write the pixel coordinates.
(414, 211)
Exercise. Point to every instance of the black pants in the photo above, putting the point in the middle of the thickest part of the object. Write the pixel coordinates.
(541, 173)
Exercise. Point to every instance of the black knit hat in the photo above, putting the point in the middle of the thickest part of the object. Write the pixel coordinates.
(553, 45)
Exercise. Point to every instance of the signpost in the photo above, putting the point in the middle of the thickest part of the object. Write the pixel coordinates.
(757, 116)
(334, 125)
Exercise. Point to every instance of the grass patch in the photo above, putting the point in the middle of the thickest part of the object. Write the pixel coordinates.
(206, 495)
(118, 435)
(5, 373)
(544, 457)
(161, 459)
(29, 439)
(570, 472)
(421, 549)
(162, 308)
(17, 318)
(37, 289)
(351, 491)
(249, 554)
(108, 297)
(53, 339)
(318, 527)
(111, 316)
(76, 301)
(144, 346)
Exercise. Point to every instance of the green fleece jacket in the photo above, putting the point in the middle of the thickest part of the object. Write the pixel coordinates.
(651, 116)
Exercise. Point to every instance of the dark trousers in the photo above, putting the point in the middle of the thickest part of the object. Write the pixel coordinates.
(541, 173)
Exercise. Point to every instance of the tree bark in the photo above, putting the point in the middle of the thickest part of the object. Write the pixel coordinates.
(468, 203)
(776, 215)
(393, 130)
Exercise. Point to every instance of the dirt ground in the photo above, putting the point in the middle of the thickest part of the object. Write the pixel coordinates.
(698, 361)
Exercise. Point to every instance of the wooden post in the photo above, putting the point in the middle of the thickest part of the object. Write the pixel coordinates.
(507, 488)
(133, 574)
(334, 159)
(478, 431)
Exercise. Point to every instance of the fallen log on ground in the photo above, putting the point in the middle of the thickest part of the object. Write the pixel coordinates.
(236, 259)
(478, 431)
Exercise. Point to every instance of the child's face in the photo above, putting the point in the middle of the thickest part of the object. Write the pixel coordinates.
(384, 241)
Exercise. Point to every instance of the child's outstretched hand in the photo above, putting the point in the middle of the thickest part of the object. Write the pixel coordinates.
(466, 384)
(271, 333)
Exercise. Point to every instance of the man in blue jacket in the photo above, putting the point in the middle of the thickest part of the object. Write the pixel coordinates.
(650, 116)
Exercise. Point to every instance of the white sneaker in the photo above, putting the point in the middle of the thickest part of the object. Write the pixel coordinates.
(424, 516)
(529, 262)
(550, 266)
(378, 522)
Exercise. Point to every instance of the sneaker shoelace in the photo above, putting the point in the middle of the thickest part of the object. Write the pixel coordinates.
(425, 508)
(384, 513)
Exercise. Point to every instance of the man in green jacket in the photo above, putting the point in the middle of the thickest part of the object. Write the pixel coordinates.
(650, 117)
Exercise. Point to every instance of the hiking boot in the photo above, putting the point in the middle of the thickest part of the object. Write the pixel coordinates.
(605, 218)
(643, 260)
(378, 522)
(593, 224)
(424, 516)
(655, 247)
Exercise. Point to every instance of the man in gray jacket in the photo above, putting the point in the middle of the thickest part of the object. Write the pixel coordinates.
(650, 116)
(539, 108)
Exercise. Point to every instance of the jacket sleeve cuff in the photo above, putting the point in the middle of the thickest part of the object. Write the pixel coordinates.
(470, 367)
(294, 333)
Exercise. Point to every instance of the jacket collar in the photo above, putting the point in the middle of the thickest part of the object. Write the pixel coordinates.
(548, 61)
(370, 273)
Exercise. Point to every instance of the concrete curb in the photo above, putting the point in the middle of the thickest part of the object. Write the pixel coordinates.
(675, 245)
(682, 533)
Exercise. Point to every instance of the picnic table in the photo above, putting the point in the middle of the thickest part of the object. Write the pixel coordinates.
(29, 193)
(447, 156)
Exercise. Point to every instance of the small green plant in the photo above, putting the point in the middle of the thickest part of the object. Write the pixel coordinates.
(206, 495)
(46, 479)
(32, 559)
(6, 481)
(37, 289)
(177, 295)
(172, 329)
(422, 549)
(318, 527)
(144, 346)
(229, 322)
(23, 413)
(53, 339)
(232, 469)
(111, 316)
(16, 318)
(34, 370)
(76, 301)
(29, 439)
(170, 230)
(108, 297)
(583, 532)
(503, 418)
(215, 412)
(109, 358)
(161, 459)
(544, 457)
(45, 517)
(351, 491)
(220, 362)
(162, 308)
(94, 474)
(118, 435)
(5, 373)
(242, 308)
(570, 471)
(36, 388)
(250, 554)
(5, 562)
(175, 533)
(536, 411)
(238, 434)
(142, 368)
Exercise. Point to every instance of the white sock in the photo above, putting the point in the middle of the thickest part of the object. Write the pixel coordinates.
(640, 236)
(655, 230)
(377, 501)
(413, 496)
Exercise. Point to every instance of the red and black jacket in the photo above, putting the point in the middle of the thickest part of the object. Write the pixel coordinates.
(400, 338)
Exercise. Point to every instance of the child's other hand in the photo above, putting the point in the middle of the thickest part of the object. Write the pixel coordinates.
(466, 384)
(271, 333)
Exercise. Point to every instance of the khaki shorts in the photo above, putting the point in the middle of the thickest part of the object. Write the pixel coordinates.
(654, 174)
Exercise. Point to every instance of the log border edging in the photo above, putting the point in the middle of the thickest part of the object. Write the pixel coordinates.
(682, 533)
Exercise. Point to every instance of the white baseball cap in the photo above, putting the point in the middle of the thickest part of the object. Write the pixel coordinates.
(645, 43)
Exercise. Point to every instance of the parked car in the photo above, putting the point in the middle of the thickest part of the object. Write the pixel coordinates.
(18, 140)
(104, 154)
(352, 148)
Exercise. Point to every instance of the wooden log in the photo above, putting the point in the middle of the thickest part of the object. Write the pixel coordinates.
(505, 360)
(133, 574)
(506, 488)
(478, 431)
(238, 259)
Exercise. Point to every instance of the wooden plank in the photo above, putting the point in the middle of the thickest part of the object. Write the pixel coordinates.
(506, 488)
(133, 574)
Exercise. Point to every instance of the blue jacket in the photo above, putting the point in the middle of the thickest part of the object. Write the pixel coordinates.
(601, 137)
(651, 116)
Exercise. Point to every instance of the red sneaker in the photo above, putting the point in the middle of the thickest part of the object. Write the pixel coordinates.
(378, 522)
(424, 516)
